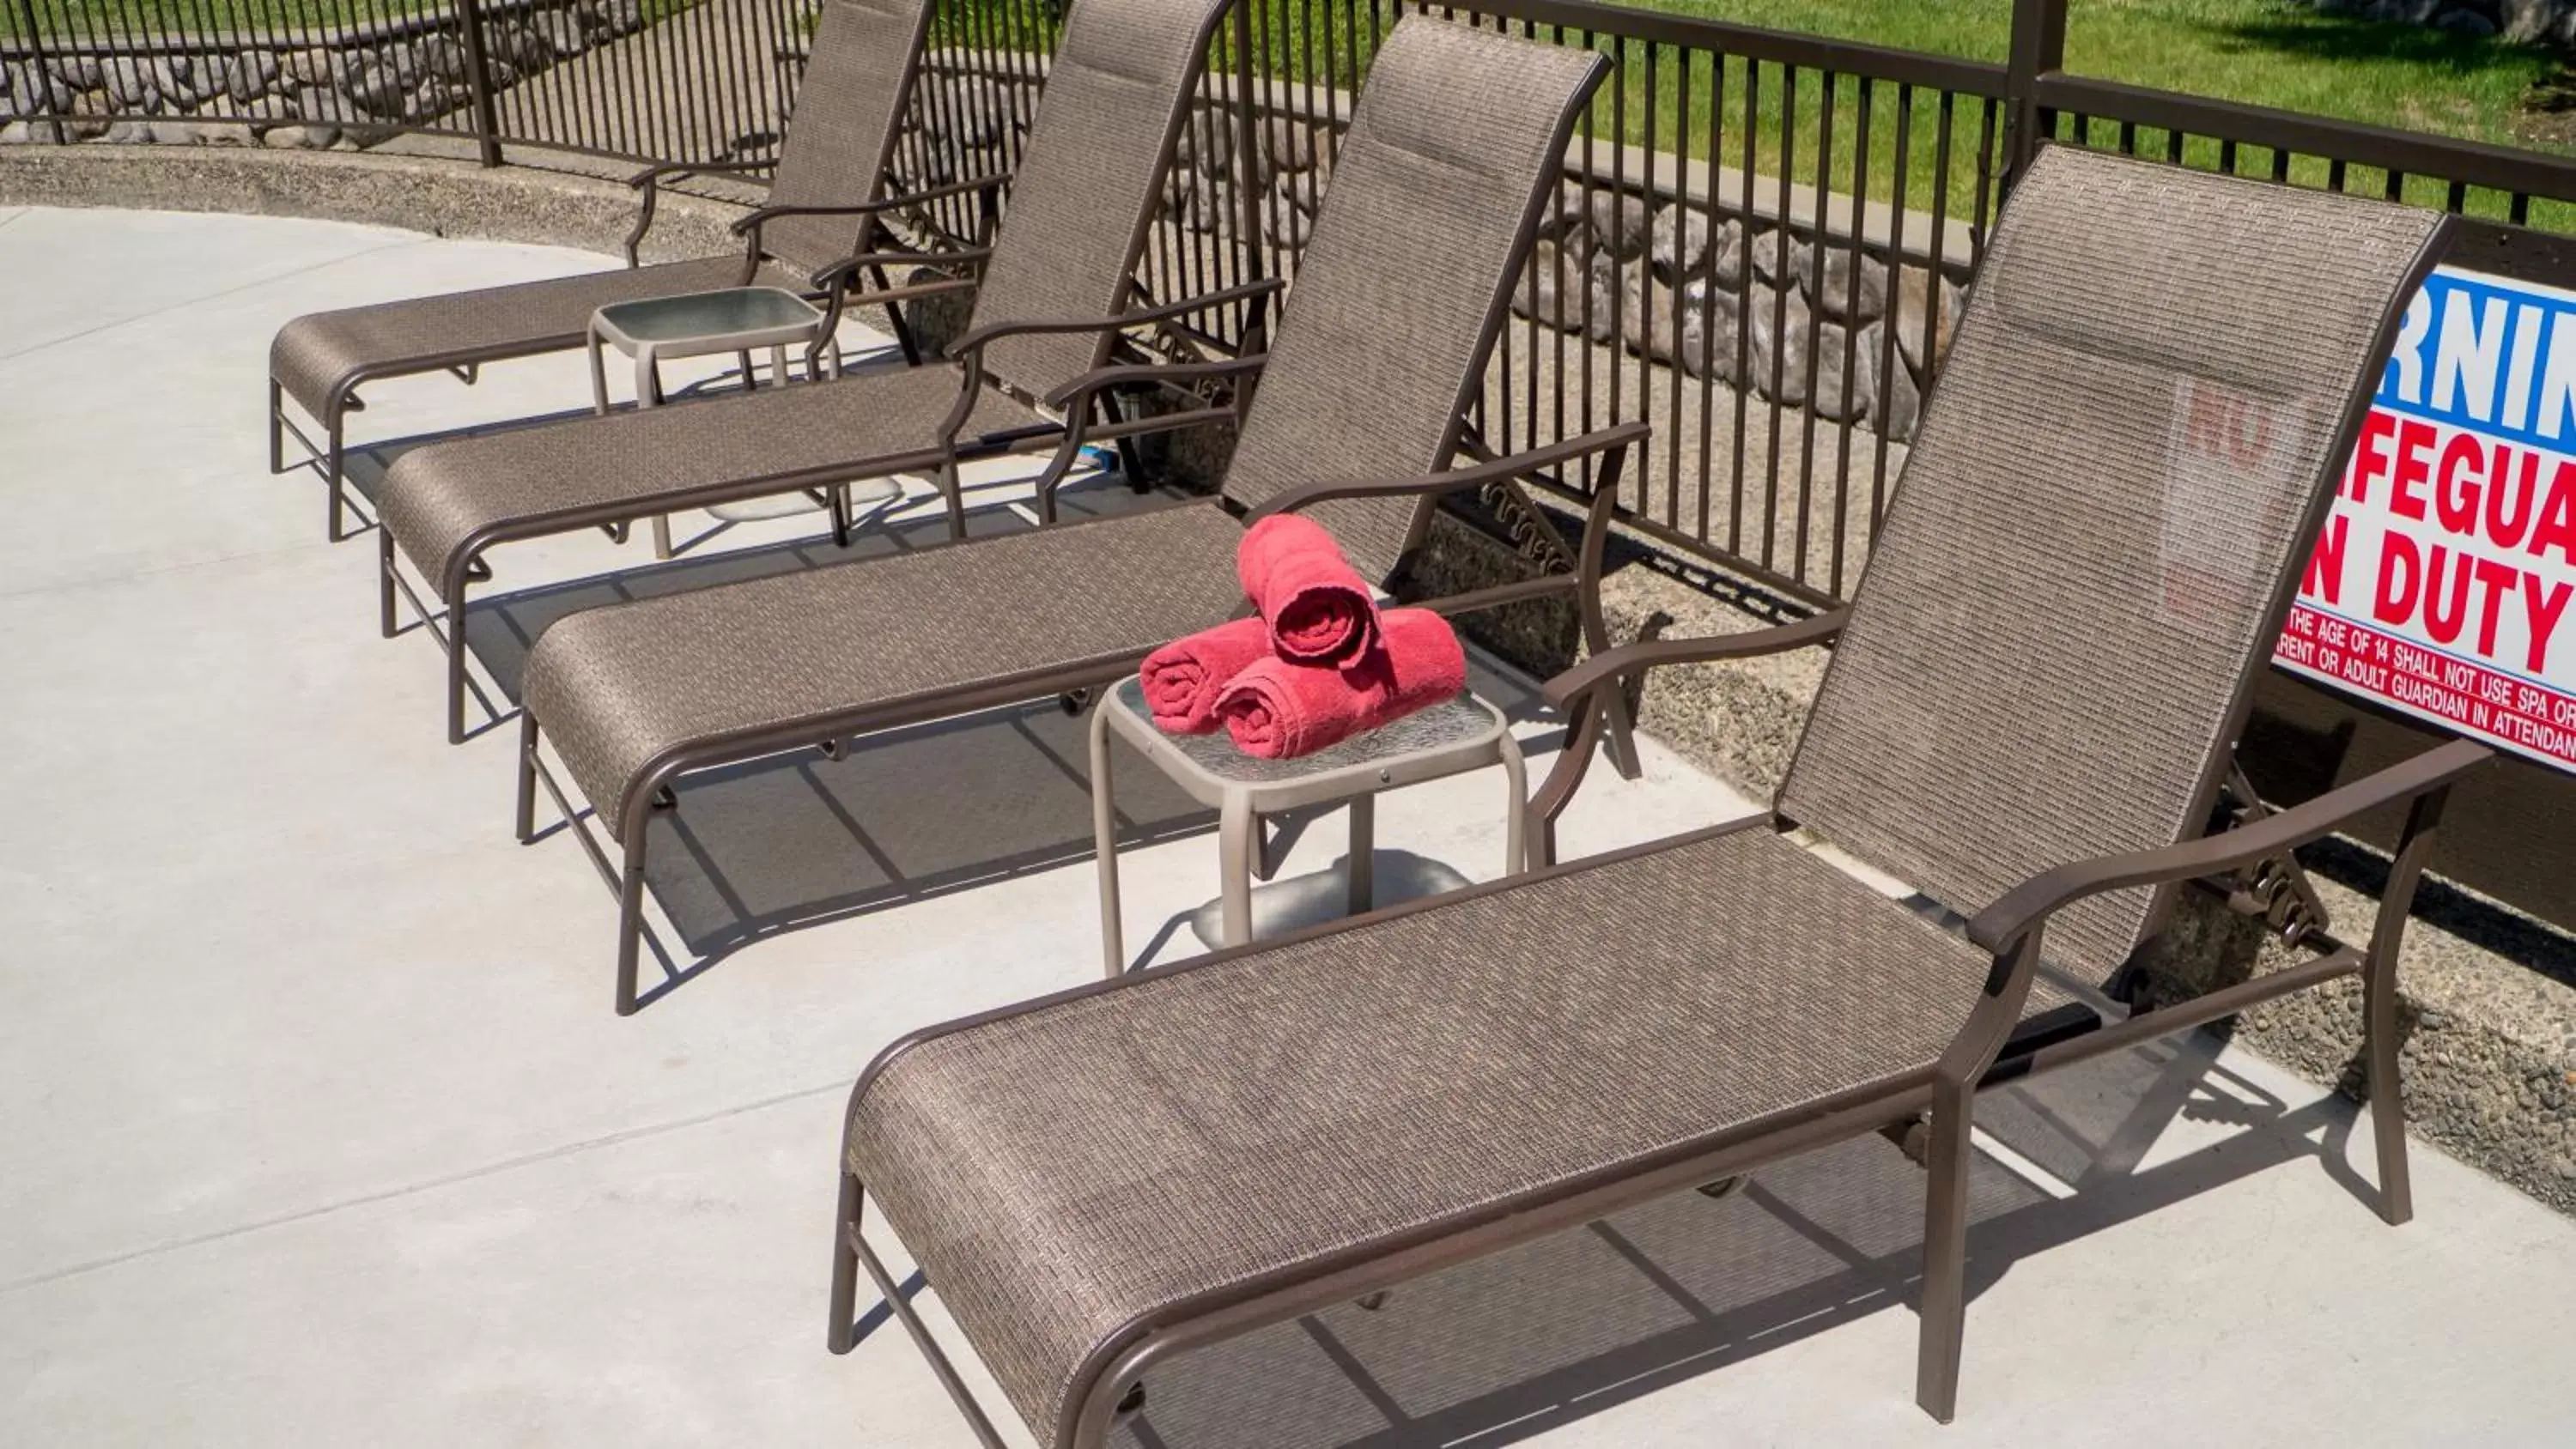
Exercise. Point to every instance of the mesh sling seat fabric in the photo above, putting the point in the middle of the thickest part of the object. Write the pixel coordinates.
(1065, 1171)
(2044, 664)
(594, 467)
(1089, 180)
(616, 688)
(633, 694)
(850, 110)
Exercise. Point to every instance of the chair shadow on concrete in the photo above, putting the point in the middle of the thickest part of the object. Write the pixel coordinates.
(1497, 1351)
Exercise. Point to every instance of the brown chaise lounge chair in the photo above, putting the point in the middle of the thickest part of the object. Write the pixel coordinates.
(825, 196)
(1397, 302)
(2027, 717)
(1089, 182)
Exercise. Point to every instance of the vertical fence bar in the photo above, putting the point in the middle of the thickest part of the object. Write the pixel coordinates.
(478, 83)
(2038, 48)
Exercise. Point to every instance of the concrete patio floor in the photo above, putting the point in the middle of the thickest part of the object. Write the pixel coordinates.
(319, 1129)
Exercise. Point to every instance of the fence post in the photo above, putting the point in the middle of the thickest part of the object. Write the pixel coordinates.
(478, 82)
(2038, 48)
(1247, 136)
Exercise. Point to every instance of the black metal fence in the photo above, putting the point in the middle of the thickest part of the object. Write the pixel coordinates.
(1762, 241)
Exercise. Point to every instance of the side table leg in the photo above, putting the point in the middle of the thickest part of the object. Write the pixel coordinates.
(778, 365)
(1515, 808)
(1363, 862)
(1234, 850)
(1104, 848)
(598, 374)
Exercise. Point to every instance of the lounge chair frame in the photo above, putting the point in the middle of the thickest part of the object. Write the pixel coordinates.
(624, 876)
(1081, 410)
(1575, 575)
(1993, 1046)
(837, 287)
(1091, 418)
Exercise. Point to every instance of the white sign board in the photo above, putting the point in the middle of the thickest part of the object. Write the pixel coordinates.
(2442, 584)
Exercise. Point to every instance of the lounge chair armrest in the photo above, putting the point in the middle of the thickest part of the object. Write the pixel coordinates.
(975, 341)
(844, 274)
(2026, 906)
(1499, 470)
(1100, 379)
(1629, 659)
(761, 216)
(750, 225)
(649, 182)
(652, 176)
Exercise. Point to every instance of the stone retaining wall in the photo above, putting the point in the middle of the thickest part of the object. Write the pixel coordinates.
(340, 87)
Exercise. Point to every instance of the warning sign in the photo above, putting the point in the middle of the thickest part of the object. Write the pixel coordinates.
(2442, 581)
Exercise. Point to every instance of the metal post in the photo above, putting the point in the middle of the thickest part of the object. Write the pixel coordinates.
(2038, 49)
(1247, 135)
(478, 81)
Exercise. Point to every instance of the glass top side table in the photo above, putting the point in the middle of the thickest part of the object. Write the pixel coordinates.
(739, 320)
(1460, 735)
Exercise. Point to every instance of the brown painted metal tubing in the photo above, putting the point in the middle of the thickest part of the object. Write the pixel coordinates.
(1618, 664)
(2182, 1016)
(1289, 1293)
(2024, 906)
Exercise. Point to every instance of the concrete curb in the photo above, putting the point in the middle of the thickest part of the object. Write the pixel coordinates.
(418, 193)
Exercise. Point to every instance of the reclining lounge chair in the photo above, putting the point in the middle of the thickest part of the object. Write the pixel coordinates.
(825, 196)
(1087, 189)
(2027, 717)
(1456, 137)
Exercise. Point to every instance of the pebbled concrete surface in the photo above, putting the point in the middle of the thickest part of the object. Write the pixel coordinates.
(319, 1130)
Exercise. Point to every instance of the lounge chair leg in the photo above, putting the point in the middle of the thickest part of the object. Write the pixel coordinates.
(276, 429)
(630, 923)
(955, 489)
(903, 338)
(845, 1265)
(840, 498)
(385, 582)
(2387, 1094)
(456, 665)
(1622, 741)
(334, 460)
(527, 805)
(1945, 1255)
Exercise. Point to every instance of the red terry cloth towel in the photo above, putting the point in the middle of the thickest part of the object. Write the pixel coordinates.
(1319, 608)
(1183, 678)
(1277, 710)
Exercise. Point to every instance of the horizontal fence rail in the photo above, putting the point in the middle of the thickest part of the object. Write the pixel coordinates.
(1760, 244)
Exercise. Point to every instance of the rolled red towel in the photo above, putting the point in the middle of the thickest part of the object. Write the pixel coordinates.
(1277, 710)
(1319, 609)
(1182, 679)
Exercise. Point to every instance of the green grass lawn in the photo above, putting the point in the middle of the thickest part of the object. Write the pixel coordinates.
(2265, 52)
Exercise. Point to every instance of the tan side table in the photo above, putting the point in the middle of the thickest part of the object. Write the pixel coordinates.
(740, 320)
(1447, 739)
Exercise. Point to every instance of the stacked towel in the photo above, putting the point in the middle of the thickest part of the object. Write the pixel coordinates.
(1184, 677)
(1319, 609)
(1316, 664)
(1277, 710)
